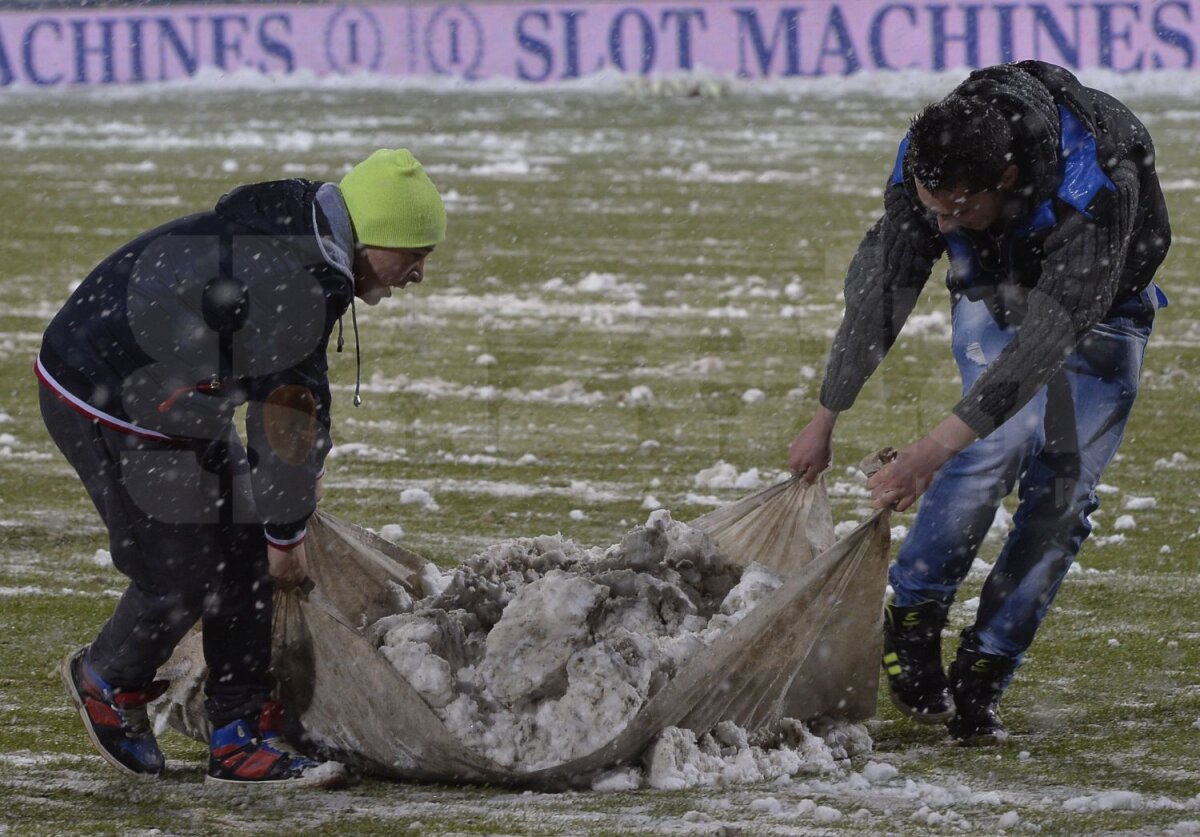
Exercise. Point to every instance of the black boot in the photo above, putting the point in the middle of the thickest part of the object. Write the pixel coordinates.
(978, 680)
(912, 658)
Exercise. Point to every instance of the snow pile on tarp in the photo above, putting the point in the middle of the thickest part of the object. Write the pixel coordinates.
(537, 651)
(541, 664)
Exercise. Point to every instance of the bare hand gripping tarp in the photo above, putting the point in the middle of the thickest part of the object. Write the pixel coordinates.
(811, 648)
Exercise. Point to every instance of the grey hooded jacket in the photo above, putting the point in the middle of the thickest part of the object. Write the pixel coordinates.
(177, 329)
(1082, 252)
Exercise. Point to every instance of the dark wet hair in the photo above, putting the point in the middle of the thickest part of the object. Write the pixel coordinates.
(959, 142)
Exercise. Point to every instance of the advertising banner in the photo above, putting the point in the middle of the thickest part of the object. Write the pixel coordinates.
(552, 43)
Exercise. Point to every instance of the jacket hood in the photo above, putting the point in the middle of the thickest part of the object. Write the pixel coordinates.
(278, 207)
(312, 210)
(335, 233)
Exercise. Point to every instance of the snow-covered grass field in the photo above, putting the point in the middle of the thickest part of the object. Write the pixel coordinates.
(632, 311)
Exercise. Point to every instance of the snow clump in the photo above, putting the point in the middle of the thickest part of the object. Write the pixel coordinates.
(392, 532)
(724, 475)
(102, 558)
(418, 497)
(537, 651)
(1178, 460)
(639, 396)
(680, 759)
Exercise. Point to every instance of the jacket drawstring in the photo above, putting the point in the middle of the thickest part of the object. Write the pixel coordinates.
(357, 355)
(341, 342)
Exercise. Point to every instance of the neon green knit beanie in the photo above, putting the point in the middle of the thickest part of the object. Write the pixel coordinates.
(393, 203)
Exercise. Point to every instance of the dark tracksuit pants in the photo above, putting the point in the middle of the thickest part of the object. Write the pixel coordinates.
(187, 555)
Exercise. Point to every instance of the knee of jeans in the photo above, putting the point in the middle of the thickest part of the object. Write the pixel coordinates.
(1064, 509)
(914, 586)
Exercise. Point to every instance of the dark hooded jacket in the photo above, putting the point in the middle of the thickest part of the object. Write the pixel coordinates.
(1093, 233)
(173, 332)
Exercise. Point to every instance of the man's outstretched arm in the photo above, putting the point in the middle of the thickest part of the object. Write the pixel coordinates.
(898, 484)
(883, 282)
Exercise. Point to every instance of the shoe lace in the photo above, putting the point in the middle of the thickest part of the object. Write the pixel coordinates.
(135, 721)
(130, 707)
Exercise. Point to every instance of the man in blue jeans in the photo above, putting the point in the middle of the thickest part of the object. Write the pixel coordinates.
(1043, 194)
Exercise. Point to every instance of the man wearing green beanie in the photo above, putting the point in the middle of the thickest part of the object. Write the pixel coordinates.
(143, 371)
(398, 218)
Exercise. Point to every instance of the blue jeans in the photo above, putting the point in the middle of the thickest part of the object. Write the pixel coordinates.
(1056, 447)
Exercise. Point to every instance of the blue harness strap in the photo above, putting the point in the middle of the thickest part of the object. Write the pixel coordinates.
(1082, 180)
(898, 168)
(1082, 175)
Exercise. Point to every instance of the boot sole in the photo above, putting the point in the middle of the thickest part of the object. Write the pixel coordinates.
(332, 782)
(992, 740)
(930, 718)
(64, 669)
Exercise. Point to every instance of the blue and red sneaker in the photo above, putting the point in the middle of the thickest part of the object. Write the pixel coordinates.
(115, 718)
(239, 754)
(272, 724)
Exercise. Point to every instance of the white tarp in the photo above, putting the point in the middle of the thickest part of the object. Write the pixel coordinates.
(810, 648)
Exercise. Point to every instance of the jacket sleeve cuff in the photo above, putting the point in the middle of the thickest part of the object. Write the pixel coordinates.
(978, 419)
(285, 537)
(837, 399)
